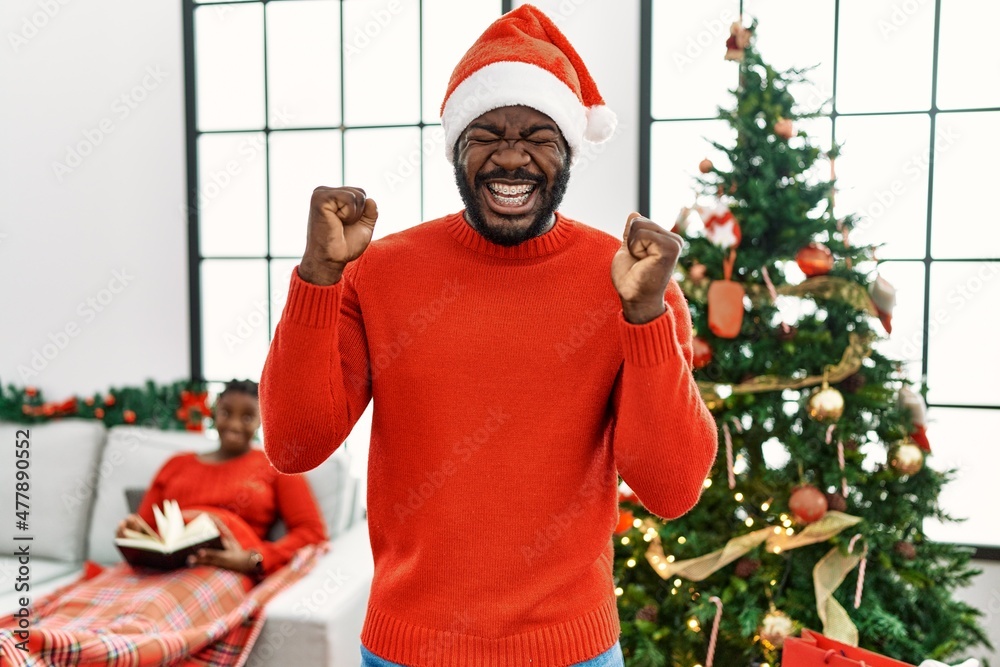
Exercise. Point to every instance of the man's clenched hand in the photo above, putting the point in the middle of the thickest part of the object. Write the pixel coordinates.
(642, 267)
(341, 224)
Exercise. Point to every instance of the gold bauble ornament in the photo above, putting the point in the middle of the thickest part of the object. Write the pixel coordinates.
(775, 629)
(827, 404)
(906, 458)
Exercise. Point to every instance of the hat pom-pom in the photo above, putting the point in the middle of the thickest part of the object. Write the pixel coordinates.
(601, 123)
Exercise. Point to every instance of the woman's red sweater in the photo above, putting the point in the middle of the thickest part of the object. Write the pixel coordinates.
(248, 494)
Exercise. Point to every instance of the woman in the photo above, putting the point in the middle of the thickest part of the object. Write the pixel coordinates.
(238, 487)
(209, 612)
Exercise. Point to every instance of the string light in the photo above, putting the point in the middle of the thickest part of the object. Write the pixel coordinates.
(648, 537)
(789, 531)
(673, 591)
(693, 624)
(786, 523)
(774, 581)
(681, 540)
(765, 506)
(739, 497)
(749, 522)
(637, 523)
(671, 558)
(677, 583)
(777, 549)
(708, 483)
(777, 530)
(625, 540)
(784, 517)
(630, 562)
(619, 591)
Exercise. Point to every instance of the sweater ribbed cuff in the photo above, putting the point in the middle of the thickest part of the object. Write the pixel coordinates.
(650, 343)
(311, 305)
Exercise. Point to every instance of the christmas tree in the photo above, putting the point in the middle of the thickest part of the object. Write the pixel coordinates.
(820, 481)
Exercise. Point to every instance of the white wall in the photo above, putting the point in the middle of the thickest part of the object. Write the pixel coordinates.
(108, 228)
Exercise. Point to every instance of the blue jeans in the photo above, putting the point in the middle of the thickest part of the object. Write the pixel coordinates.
(611, 658)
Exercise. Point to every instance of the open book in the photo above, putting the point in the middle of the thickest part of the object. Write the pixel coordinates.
(168, 547)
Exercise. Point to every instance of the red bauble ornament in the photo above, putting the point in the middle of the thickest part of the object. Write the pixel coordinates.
(129, 417)
(705, 166)
(702, 352)
(784, 128)
(815, 260)
(109, 399)
(625, 519)
(99, 413)
(807, 503)
(30, 391)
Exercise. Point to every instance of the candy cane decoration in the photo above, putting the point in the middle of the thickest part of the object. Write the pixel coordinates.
(774, 294)
(729, 455)
(840, 457)
(861, 569)
(715, 630)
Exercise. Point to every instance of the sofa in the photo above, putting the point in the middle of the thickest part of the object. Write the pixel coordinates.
(80, 476)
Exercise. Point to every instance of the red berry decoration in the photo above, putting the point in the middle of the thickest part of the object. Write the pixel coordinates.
(129, 417)
(702, 352)
(807, 504)
(815, 260)
(705, 166)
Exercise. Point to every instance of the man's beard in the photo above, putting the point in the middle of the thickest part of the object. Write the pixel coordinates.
(507, 235)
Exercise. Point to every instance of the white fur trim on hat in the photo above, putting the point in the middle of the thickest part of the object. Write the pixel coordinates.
(509, 83)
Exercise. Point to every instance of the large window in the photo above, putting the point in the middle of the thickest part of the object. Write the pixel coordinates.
(286, 95)
(920, 128)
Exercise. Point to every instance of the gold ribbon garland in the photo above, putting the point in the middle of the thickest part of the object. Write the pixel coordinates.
(828, 573)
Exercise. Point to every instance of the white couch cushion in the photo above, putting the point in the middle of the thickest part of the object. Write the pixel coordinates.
(134, 454)
(62, 462)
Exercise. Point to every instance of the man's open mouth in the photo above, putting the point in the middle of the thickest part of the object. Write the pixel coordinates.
(510, 198)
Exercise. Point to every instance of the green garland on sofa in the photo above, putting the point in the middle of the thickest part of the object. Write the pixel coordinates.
(182, 405)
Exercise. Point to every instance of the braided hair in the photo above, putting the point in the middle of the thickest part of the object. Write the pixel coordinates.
(248, 387)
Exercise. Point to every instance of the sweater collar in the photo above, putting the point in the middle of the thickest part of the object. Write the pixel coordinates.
(552, 240)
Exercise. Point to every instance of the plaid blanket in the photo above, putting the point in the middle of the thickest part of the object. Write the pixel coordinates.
(116, 617)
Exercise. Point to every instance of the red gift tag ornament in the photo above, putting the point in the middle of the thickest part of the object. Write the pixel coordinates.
(725, 302)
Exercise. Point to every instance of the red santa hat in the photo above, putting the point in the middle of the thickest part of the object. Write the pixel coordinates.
(523, 59)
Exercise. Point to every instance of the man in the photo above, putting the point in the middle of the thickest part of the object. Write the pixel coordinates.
(518, 362)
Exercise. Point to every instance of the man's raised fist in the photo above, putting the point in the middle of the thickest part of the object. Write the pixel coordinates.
(341, 224)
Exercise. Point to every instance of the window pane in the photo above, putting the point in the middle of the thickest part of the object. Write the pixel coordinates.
(299, 163)
(966, 54)
(885, 56)
(963, 360)
(281, 277)
(440, 192)
(784, 44)
(962, 226)
(958, 437)
(234, 317)
(230, 66)
(691, 79)
(906, 343)
(303, 63)
(381, 70)
(386, 163)
(232, 204)
(676, 149)
(882, 175)
(442, 21)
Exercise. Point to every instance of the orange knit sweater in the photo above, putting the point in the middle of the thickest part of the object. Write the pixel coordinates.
(509, 392)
